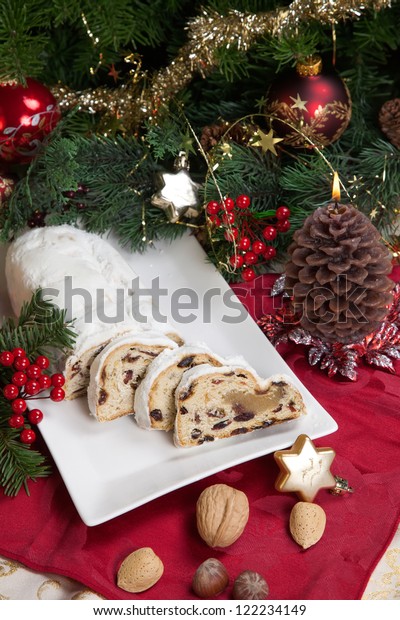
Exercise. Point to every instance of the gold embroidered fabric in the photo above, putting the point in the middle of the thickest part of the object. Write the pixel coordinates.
(20, 583)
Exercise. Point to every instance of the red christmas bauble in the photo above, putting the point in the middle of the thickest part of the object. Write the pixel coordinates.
(313, 104)
(27, 115)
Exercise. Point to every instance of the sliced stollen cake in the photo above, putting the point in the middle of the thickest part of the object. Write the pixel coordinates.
(155, 396)
(83, 274)
(117, 371)
(215, 403)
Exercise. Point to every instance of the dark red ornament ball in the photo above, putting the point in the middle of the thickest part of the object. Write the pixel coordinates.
(27, 115)
(314, 105)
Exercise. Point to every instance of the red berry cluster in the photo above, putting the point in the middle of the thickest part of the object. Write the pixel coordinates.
(27, 381)
(247, 232)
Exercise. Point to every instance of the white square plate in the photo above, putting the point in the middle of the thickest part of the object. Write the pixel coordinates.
(113, 467)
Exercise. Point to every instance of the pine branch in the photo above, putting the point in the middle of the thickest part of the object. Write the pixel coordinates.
(18, 463)
(22, 39)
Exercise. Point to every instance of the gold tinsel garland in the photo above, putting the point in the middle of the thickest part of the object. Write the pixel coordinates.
(137, 100)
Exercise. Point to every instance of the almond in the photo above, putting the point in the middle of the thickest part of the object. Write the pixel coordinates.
(140, 570)
(307, 523)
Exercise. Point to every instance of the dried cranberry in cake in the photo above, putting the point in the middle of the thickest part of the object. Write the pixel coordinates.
(156, 393)
(229, 401)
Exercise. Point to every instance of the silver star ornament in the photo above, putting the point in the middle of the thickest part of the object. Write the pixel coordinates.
(177, 193)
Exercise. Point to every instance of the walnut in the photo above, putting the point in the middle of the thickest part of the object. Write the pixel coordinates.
(222, 513)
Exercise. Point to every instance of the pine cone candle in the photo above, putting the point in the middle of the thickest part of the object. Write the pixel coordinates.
(337, 274)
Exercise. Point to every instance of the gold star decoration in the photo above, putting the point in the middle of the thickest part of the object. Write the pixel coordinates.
(299, 103)
(267, 141)
(226, 149)
(305, 469)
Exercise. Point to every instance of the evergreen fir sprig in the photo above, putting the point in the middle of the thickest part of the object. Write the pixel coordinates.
(19, 464)
(244, 170)
(41, 329)
(119, 176)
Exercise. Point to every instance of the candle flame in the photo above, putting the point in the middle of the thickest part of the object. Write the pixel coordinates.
(336, 188)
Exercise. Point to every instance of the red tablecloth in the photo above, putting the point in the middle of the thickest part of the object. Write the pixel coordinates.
(45, 532)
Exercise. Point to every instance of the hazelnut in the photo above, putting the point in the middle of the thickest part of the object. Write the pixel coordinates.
(307, 523)
(250, 586)
(222, 513)
(140, 570)
(210, 579)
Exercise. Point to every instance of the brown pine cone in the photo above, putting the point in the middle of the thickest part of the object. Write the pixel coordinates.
(211, 135)
(239, 133)
(337, 274)
(389, 121)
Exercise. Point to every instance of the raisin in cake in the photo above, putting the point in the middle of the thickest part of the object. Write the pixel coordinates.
(117, 371)
(85, 275)
(155, 396)
(215, 403)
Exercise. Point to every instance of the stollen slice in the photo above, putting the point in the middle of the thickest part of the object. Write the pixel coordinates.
(117, 371)
(216, 403)
(155, 396)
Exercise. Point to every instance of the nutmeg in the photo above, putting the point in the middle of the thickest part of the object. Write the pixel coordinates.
(250, 586)
(140, 570)
(307, 523)
(222, 513)
(210, 579)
